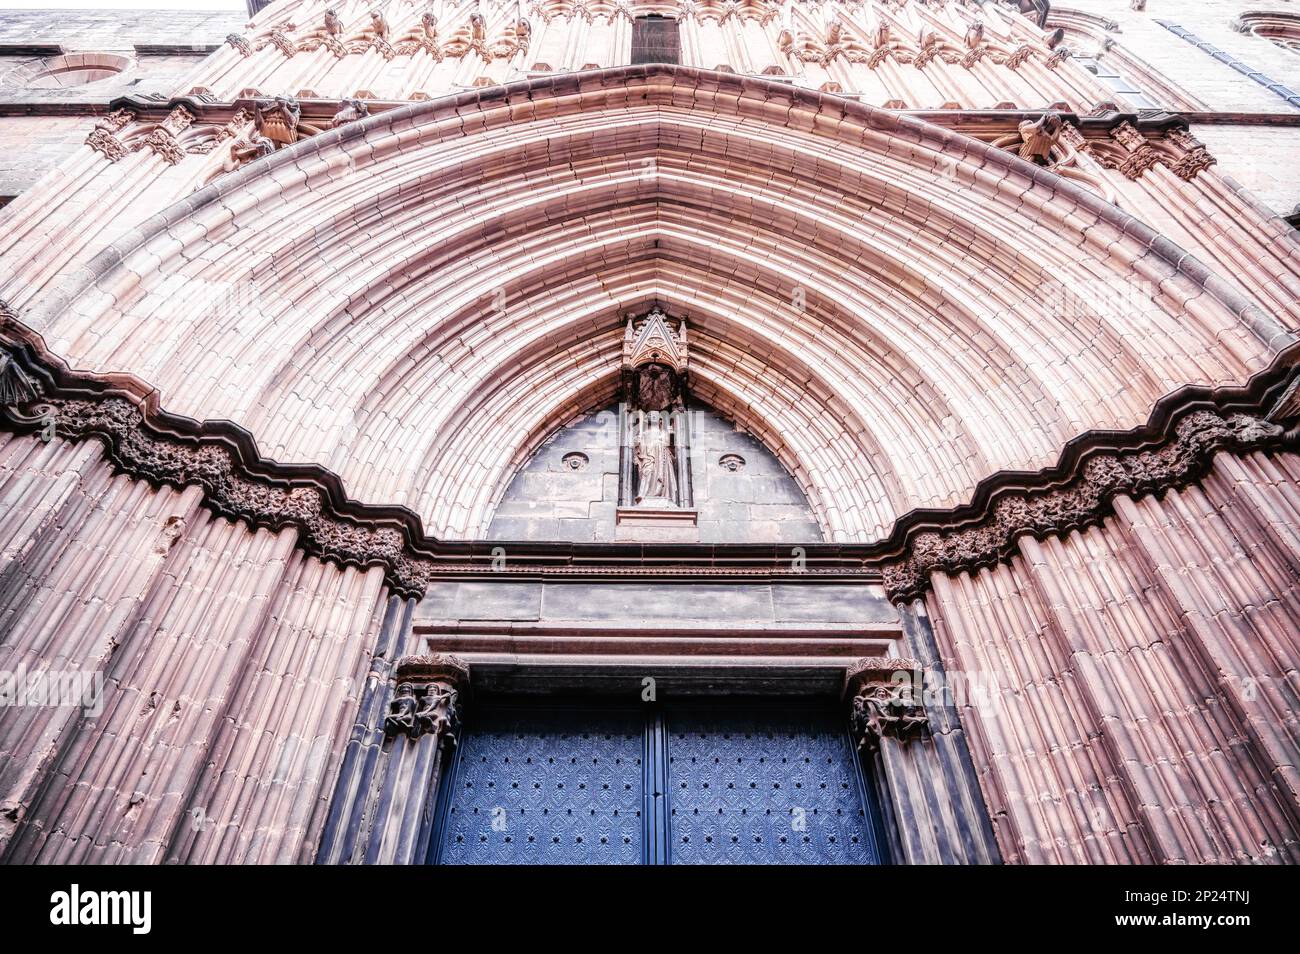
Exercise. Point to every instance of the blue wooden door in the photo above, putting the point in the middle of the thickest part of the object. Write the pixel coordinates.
(766, 785)
(692, 784)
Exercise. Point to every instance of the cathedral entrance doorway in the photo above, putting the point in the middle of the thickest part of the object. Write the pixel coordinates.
(696, 783)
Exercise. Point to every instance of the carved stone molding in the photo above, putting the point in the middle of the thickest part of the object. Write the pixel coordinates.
(427, 698)
(1172, 449)
(884, 701)
(1084, 502)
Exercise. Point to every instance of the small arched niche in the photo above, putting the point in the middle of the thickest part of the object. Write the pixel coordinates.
(568, 489)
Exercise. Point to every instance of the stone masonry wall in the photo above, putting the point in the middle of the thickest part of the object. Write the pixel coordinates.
(759, 503)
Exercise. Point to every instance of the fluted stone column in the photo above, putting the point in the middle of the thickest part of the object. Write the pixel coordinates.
(394, 791)
(924, 781)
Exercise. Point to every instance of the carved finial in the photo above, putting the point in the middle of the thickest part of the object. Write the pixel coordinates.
(654, 342)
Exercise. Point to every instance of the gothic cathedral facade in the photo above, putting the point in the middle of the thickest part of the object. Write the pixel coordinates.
(651, 432)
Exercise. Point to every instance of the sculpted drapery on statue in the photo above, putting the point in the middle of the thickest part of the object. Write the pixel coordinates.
(655, 464)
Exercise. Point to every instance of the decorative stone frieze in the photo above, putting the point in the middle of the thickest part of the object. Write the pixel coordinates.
(240, 44)
(1173, 449)
(1082, 501)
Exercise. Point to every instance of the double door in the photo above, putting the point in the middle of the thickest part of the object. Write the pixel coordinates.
(699, 783)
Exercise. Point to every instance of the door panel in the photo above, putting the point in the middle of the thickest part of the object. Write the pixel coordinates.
(764, 786)
(547, 786)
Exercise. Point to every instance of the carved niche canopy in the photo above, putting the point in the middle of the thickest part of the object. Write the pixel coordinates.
(651, 340)
(654, 362)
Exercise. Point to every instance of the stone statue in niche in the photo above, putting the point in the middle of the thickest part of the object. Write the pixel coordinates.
(656, 484)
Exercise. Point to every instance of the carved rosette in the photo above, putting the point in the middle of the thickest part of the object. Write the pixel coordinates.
(427, 698)
(1085, 502)
(885, 701)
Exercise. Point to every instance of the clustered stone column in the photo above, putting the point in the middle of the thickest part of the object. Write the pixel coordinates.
(920, 771)
(399, 780)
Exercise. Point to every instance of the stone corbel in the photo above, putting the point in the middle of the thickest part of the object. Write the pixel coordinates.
(885, 701)
(427, 699)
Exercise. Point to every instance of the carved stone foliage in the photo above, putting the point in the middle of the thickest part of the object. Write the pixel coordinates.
(1083, 502)
(104, 139)
(1129, 151)
(240, 44)
(427, 700)
(164, 140)
(884, 701)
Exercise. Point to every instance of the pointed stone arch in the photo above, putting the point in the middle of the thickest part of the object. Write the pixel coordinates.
(898, 309)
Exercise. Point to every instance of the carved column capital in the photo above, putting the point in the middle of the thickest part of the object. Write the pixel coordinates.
(884, 698)
(427, 698)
